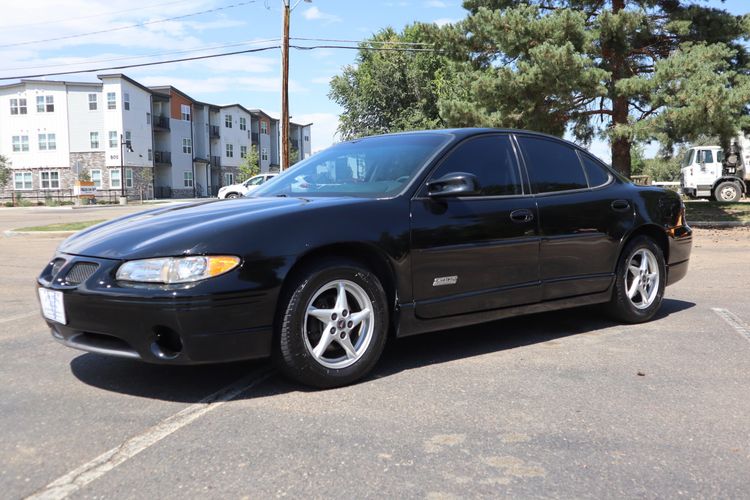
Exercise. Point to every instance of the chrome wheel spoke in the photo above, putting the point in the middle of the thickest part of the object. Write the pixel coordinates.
(341, 302)
(357, 317)
(346, 343)
(324, 315)
(325, 341)
(634, 287)
(634, 270)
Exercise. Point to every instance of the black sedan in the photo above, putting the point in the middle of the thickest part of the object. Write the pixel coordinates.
(389, 235)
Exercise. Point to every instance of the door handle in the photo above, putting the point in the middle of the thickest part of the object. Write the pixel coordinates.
(522, 215)
(620, 205)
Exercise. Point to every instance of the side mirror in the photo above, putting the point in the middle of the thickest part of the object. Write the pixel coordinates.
(453, 185)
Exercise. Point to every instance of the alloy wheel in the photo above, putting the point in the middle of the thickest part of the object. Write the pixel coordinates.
(339, 323)
(642, 278)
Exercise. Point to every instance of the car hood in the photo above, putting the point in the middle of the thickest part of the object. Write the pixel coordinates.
(195, 228)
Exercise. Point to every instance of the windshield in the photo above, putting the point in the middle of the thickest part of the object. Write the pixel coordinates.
(688, 159)
(372, 167)
(255, 181)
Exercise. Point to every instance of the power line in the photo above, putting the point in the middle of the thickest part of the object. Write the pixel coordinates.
(121, 28)
(142, 56)
(141, 65)
(222, 54)
(372, 42)
(101, 14)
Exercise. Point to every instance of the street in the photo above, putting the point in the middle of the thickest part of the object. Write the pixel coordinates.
(555, 405)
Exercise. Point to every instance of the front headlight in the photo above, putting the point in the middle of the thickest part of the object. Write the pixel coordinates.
(177, 269)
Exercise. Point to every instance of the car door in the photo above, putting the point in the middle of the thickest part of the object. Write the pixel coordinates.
(583, 214)
(477, 252)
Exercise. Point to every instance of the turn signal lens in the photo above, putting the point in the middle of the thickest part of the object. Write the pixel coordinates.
(177, 269)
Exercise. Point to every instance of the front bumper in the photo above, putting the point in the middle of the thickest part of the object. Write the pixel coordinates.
(175, 324)
(680, 246)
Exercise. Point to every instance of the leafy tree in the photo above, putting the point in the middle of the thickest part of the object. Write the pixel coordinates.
(387, 91)
(250, 165)
(627, 70)
(293, 154)
(5, 172)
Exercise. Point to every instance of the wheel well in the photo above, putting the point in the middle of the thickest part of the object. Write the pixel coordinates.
(735, 180)
(367, 256)
(655, 233)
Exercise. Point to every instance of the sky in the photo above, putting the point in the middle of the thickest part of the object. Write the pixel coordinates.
(217, 26)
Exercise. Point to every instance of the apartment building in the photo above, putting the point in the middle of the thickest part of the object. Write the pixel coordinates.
(170, 144)
(53, 131)
(299, 137)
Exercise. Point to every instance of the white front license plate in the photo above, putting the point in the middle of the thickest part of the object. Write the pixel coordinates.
(52, 305)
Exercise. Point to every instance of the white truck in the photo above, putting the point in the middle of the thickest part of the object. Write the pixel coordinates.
(709, 172)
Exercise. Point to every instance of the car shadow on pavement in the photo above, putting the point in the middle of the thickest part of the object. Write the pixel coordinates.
(190, 384)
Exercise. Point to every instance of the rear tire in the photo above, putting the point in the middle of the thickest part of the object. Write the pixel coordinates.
(232, 195)
(333, 325)
(728, 192)
(639, 282)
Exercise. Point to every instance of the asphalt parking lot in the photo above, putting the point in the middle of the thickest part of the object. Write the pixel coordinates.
(557, 405)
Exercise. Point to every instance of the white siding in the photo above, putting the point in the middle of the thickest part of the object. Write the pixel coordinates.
(82, 121)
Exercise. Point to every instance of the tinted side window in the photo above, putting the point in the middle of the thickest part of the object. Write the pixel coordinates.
(491, 159)
(597, 174)
(553, 166)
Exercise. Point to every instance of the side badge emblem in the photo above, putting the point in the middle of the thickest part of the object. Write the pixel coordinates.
(445, 280)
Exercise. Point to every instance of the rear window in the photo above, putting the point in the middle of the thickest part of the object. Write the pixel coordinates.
(553, 166)
(597, 173)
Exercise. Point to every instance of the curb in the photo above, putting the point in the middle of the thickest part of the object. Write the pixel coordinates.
(38, 234)
(718, 224)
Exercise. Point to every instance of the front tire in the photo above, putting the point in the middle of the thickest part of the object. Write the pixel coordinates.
(728, 192)
(334, 325)
(639, 282)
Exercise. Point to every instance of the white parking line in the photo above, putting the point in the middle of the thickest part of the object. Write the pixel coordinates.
(20, 316)
(96, 468)
(734, 321)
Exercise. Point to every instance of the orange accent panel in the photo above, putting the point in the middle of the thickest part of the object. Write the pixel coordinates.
(177, 100)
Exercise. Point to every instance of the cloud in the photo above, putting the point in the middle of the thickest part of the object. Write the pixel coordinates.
(315, 14)
(322, 80)
(444, 20)
(198, 87)
(436, 4)
(323, 130)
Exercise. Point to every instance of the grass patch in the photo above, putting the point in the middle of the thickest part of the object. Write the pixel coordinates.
(713, 211)
(63, 226)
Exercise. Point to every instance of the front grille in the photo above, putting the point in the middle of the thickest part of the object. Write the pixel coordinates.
(80, 272)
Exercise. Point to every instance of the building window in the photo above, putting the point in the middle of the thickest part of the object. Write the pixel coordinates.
(228, 178)
(150, 155)
(243, 151)
(20, 143)
(187, 179)
(230, 150)
(47, 142)
(50, 180)
(22, 181)
(96, 178)
(114, 178)
(243, 123)
(18, 107)
(128, 177)
(94, 137)
(187, 145)
(93, 102)
(264, 154)
(111, 100)
(307, 138)
(126, 101)
(127, 136)
(228, 121)
(148, 118)
(185, 112)
(263, 127)
(45, 104)
(113, 139)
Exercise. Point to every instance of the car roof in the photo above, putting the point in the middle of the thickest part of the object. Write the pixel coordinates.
(462, 133)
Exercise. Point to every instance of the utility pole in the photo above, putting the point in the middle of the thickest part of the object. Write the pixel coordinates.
(285, 88)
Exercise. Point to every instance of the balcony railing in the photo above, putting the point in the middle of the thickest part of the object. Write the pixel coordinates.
(295, 144)
(216, 161)
(162, 158)
(214, 131)
(161, 123)
(254, 137)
